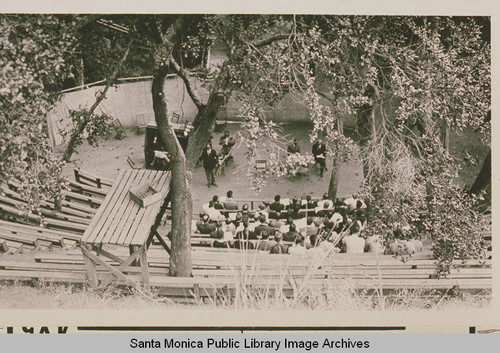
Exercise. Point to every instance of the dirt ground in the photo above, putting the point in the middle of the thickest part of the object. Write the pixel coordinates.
(111, 155)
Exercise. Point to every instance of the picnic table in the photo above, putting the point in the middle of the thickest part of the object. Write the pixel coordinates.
(122, 220)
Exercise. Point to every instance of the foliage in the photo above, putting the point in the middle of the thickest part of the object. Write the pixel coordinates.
(407, 79)
(296, 162)
(32, 60)
(454, 224)
(98, 126)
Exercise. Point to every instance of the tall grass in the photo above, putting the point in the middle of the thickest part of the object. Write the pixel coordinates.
(256, 288)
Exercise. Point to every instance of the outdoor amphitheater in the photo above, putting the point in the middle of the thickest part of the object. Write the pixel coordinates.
(103, 239)
(308, 162)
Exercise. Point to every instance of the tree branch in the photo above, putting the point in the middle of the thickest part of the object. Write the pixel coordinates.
(327, 97)
(270, 40)
(189, 87)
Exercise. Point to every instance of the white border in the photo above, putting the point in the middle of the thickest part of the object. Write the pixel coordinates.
(423, 321)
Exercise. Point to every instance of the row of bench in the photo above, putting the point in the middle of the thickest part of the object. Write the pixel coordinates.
(222, 271)
(78, 206)
(51, 229)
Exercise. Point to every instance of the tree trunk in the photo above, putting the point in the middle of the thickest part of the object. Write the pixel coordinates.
(88, 116)
(484, 176)
(364, 131)
(80, 74)
(334, 179)
(182, 206)
(206, 118)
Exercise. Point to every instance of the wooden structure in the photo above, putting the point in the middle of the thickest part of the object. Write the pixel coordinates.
(152, 141)
(122, 221)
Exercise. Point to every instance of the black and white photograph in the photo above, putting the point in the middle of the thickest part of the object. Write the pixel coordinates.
(263, 162)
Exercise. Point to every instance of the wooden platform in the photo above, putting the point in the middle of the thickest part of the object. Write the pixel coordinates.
(120, 220)
(124, 220)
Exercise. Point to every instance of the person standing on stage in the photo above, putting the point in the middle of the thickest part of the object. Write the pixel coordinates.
(210, 160)
(319, 153)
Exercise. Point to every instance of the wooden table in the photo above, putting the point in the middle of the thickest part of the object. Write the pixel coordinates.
(122, 221)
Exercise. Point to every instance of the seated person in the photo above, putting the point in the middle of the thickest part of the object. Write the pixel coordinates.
(419, 246)
(262, 227)
(298, 247)
(229, 226)
(246, 225)
(214, 214)
(275, 223)
(336, 218)
(218, 233)
(200, 221)
(294, 214)
(277, 206)
(352, 202)
(310, 229)
(323, 212)
(322, 202)
(205, 226)
(230, 203)
(278, 248)
(353, 243)
(262, 211)
(227, 142)
(286, 227)
(294, 205)
(292, 233)
(245, 212)
(217, 204)
(312, 241)
(324, 230)
(265, 244)
(309, 203)
(294, 147)
(374, 244)
(401, 246)
(225, 239)
(362, 221)
(242, 237)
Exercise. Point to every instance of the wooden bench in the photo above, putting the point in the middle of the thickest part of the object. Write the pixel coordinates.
(54, 238)
(92, 180)
(67, 208)
(88, 190)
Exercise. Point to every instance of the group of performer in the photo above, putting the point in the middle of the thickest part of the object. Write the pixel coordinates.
(318, 150)
(211, 159)
(296, 226)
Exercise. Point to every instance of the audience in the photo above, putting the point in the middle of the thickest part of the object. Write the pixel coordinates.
(322, 227)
